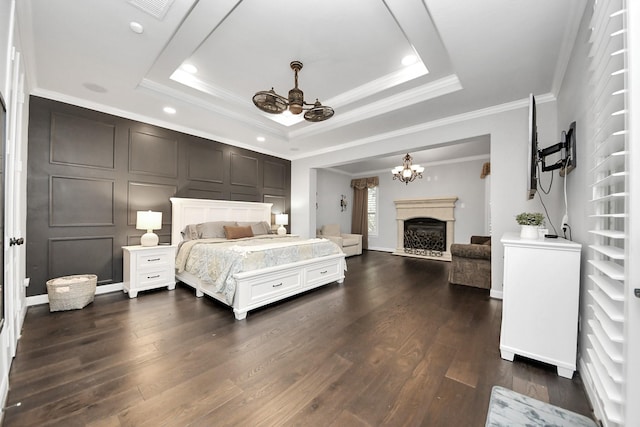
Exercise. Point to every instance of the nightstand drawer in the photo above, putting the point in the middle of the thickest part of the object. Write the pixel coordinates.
(154, 277)
(154, 259)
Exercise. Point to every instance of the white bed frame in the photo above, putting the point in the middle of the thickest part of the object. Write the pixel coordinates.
(259, 287)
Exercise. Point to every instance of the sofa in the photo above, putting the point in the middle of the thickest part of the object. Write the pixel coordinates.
(471, 263)
(351, 244)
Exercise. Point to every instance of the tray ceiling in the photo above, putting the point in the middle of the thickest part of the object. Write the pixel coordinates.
(470, 55)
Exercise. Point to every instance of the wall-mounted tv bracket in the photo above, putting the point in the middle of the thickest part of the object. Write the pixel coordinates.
(551, 150)
(565, 145)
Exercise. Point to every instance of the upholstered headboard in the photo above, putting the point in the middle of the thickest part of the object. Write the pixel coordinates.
(195, 211)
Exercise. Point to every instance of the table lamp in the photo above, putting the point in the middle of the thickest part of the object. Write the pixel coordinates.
(148, 220)
(282, 220)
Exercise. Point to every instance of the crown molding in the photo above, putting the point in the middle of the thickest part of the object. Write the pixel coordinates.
(458, 118)
(404, 99)
(198, 102)
(79, 102)
(378, 85)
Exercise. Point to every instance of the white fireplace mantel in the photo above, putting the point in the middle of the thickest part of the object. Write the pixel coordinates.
(440, 208)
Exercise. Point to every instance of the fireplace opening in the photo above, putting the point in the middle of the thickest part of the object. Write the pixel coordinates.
(425, 236)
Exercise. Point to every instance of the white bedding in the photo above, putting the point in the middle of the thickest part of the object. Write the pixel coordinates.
(215, 261)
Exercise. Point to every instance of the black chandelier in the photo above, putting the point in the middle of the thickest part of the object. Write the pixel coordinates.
(408, 171)
(270, 102)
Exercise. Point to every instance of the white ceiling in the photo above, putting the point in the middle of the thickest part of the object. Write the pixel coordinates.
(472, 55)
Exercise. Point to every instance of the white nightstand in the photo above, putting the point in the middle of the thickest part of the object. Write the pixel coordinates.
(148, 267)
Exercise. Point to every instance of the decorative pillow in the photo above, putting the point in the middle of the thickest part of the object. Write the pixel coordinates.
(237, 232)
(190, 232)
(213, 229)
(258, 228)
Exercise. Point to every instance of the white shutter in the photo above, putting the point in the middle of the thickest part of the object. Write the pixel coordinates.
(372, 210)
(607, 140)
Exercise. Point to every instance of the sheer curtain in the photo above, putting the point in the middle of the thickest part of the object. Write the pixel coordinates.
(360, 213)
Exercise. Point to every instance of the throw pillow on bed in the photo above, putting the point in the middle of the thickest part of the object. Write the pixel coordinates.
(258, 228)
(213, 229)
(237, 232)
(190, 232)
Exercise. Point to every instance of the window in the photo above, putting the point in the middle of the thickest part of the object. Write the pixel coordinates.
(372, 210)
(604, 352)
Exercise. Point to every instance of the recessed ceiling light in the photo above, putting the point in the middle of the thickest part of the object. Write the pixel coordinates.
(261, 139)
(409, 60)
(136, 27)
(189, 68)
(169, 110)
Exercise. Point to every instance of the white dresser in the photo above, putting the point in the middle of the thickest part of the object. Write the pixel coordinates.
(148, 267)
(540, 301)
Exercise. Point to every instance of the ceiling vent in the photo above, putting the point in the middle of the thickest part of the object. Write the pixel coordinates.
(156, 8)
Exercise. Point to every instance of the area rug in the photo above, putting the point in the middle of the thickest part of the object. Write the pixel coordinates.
(510, 409)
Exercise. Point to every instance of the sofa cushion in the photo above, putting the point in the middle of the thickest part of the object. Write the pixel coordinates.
(331, 230)
(350, 241)
(471, 250)
(481, 240)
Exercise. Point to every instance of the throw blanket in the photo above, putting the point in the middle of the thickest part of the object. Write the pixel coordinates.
(215, 261)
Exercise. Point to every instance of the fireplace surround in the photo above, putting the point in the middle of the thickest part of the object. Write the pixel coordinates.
(417, 238)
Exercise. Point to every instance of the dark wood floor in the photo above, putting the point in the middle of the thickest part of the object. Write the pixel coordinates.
(394, 345)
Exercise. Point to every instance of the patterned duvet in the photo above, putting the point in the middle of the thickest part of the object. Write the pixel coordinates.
(215, 261)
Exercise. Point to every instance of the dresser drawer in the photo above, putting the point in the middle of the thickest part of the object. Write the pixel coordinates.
(274, 287)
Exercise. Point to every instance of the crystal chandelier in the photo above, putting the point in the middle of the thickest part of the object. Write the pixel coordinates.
(270, 102)
(407, 172)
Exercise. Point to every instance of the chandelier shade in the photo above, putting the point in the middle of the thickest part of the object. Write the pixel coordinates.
(270, 102)
(408, 171)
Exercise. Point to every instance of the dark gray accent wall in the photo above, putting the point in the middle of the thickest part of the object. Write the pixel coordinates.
(90, 172)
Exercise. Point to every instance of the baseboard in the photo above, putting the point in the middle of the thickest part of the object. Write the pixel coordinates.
(380, 249)
(496, 294)
(102, 289)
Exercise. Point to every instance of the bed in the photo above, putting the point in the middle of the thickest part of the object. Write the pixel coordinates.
(254, 284)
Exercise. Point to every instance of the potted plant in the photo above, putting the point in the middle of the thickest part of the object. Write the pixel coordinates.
(529, 222)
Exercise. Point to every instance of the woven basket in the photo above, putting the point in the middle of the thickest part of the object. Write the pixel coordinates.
(71, 292)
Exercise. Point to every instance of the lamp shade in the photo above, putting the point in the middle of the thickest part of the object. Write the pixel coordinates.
(282, 219)
(148, 220)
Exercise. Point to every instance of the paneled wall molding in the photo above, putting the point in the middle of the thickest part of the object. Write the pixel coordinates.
(143, 196)
(90, 172)
(93, 251)
(81, 201)
(83, 142)
(205, 163)
(153, 154)
(244, 170)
